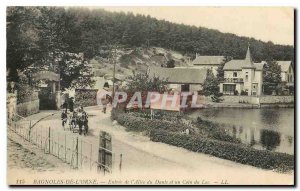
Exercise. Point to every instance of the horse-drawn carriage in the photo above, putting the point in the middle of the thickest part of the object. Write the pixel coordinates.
(78, 122)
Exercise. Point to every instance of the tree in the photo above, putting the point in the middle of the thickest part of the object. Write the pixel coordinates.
(22, 49)
(38, 39)
(211, 87)
(50, 24)
(143, 82)
(75, 72)
(171, 63)
(220, 74)
(271, 76)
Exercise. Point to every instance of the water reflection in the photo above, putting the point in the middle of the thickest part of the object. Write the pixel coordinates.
(269, 139)
(270, 116)
(267, 129)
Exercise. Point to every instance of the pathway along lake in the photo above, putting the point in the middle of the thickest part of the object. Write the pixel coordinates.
(266, 128)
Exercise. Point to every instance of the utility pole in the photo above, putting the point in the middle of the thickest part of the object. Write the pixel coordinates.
(114, 71)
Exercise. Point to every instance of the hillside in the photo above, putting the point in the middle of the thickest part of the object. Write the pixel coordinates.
(94, 28)
(136, 59)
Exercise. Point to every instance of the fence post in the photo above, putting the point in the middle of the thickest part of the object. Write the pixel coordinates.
(49, 139)
(53, 142)
(58, 146)
(29, 133)
(42, 137)
(91, 154)
(81, 152)
(65, 147)
(36, 137)
(76, 152)
(120, 166)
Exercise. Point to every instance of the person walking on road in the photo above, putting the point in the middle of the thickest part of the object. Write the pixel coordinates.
(64, 118)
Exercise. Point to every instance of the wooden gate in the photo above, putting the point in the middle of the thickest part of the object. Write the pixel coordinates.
(105, 152)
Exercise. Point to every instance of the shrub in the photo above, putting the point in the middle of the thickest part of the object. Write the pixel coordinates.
(244, 92)
(230, 151)
(85, 97)
(125, 60)
(214, 131)
(161, 115)
(139, 124)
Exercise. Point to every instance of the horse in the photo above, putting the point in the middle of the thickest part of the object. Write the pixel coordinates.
(83, 123)
(73, 121)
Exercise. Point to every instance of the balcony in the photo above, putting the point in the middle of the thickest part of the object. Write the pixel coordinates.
(234, 80)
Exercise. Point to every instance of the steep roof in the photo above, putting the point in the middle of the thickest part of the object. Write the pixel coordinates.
(239, 64)
(234, 65)
(179, 75)
(285, 65)
(208, 60)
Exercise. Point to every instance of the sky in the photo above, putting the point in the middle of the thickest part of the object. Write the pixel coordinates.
(274, 24)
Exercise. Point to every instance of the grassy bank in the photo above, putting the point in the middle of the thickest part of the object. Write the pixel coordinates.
(226, 150)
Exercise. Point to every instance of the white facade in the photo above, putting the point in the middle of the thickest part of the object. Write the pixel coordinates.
(242, 76)
(288, 76)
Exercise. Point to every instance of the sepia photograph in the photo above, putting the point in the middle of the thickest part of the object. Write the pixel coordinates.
(164, 95)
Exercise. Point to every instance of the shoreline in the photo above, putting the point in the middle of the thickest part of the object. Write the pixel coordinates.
(247, 106)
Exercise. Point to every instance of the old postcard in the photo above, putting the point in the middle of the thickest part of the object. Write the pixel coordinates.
(150, 95)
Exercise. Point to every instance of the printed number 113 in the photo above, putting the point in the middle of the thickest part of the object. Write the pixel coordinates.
(20, 181)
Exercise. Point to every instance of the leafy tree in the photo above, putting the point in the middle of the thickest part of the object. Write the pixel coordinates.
(211, 87)
(22, 49)
(220, 74)
(271, 77)
(143, 82)
(50, 24)
(37, 39)
(75, 72)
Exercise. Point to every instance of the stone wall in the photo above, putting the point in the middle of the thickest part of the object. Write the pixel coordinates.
(29, 104)
(28, 108)
(256, 100)
(276, 100)
(11, 106)
(241, 99)
(236, 99)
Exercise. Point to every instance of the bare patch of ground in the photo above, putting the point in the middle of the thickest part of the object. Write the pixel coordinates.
(20, 157)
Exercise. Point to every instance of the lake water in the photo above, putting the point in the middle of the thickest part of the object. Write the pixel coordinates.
(267, 128)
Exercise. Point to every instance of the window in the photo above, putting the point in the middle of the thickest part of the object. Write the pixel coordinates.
(229, 88)
(234, 74)
(185, 87)
(246, 80)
